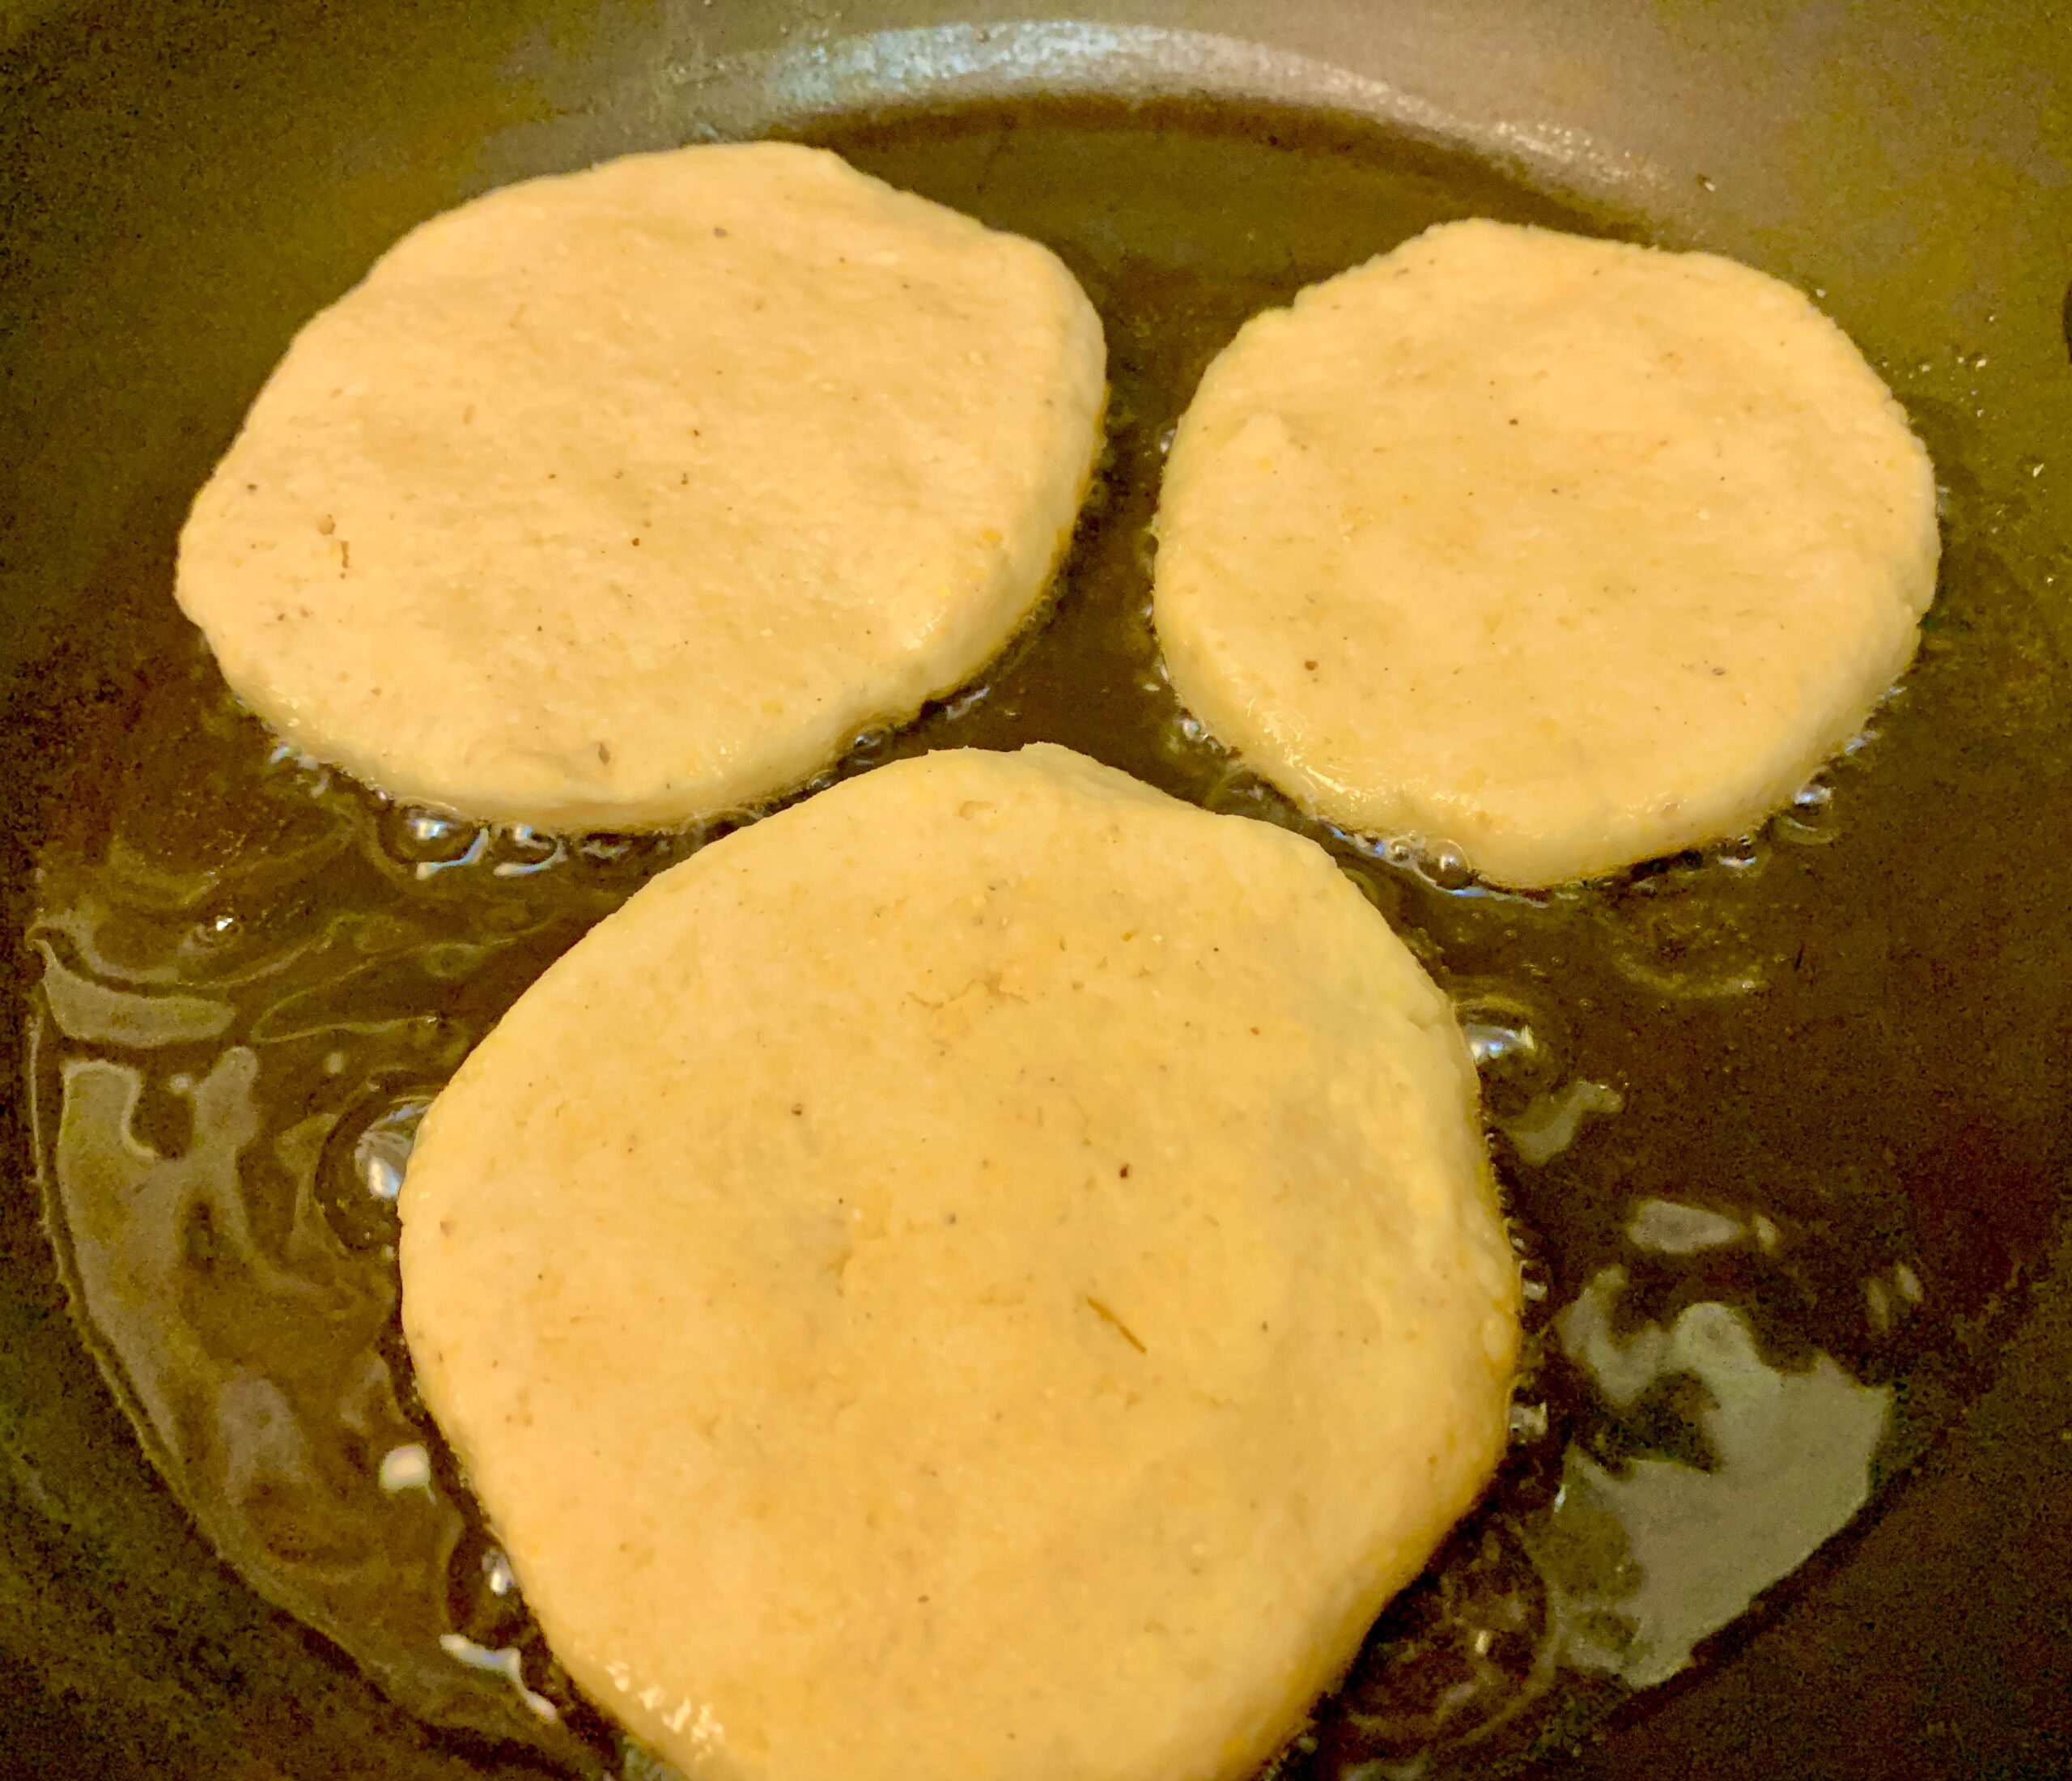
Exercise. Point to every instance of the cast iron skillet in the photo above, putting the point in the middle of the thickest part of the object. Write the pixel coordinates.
(184, 184)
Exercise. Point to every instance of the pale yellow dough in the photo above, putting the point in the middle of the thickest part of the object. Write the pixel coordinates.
(1566, 553)
(990, 1273)
(616, 500)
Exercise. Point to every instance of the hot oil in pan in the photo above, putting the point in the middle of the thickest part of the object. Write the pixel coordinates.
(1771, 1169)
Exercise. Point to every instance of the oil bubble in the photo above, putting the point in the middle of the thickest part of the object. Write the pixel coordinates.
(1513, 1044)
(1810, 819)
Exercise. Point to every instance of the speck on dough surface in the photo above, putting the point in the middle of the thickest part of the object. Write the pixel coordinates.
(621, 498)
(991, 1272)
(1567, 553)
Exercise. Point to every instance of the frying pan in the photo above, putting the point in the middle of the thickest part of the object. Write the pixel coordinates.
(180, 185)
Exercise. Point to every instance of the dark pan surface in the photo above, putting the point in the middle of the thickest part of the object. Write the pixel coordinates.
(1834, 1043)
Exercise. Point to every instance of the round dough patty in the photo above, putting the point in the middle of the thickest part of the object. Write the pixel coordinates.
(620, 498)
(991, 1272)
(1567, 553)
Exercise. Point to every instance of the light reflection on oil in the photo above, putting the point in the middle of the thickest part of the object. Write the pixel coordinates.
(1655, 1557)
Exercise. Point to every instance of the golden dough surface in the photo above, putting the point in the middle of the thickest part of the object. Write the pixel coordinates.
(990, 1272)
(1566, 553)
(622, 498)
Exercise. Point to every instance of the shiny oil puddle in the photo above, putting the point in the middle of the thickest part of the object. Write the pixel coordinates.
(1773, 1168)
